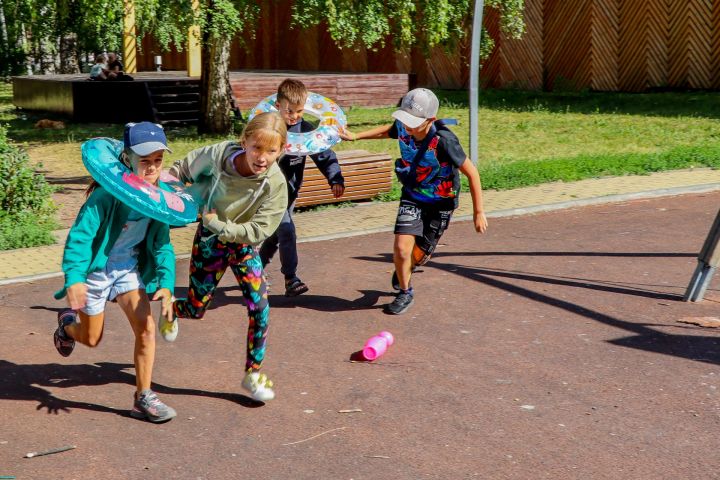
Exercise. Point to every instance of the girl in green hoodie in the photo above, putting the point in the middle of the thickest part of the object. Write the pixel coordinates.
(245, 197)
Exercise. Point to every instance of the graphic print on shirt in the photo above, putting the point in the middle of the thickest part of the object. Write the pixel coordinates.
(426, 179)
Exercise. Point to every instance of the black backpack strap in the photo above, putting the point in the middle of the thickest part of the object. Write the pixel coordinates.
(408, 175)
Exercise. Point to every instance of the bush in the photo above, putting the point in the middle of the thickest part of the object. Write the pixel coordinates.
(26, 207)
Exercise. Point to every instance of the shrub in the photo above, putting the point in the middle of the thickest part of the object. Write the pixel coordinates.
(26, 207)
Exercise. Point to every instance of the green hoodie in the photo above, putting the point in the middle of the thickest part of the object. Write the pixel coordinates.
(249, 209)
(95, 231)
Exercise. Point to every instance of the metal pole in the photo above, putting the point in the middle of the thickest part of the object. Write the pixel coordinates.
(708, 261)
(475, 78)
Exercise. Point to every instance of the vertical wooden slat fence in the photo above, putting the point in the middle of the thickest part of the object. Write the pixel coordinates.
(604, 44)
(566, 45)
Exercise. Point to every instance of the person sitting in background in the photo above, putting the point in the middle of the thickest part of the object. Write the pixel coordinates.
(99, 69)
(114, 64)
(115, 69)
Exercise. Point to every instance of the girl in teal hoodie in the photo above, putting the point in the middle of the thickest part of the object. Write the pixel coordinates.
(245, 197)
(115, 253)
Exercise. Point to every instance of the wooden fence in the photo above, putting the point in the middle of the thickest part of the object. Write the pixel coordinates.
(607, 45)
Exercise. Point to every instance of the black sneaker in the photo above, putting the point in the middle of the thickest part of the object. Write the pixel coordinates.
(147, 405)
(402, 302)
(64, 343)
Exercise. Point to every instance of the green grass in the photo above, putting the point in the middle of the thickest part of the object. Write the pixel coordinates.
(525, 138)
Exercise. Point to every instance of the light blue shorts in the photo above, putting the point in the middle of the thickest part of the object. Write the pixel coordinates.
(105, 285)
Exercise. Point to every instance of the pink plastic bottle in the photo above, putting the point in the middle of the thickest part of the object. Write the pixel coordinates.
(376, 346)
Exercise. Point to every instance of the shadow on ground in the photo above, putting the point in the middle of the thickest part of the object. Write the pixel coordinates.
(26, 382)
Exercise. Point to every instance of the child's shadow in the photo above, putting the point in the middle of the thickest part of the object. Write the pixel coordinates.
(20, 382)
(368, 300)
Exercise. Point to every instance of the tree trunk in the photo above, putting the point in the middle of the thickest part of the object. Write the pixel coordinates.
(46, 55)
(215, 92)
(3, 30)
(5, 53)
(23, 46)
(69, 62)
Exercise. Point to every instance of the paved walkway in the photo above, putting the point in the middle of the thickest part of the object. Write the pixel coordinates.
(43, 262)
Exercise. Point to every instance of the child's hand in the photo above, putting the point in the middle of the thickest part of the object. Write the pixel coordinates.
(167, 301)
(481, 223)
(211, 222)
(208, 217)
(347, 135)
(338, 189)
(77, 295)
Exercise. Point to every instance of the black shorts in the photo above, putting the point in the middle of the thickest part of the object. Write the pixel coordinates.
(426, 222)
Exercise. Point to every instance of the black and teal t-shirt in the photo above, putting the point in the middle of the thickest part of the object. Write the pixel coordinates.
(433, 178)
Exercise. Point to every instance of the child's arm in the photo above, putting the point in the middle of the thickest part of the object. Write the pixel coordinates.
(328, 165)
(164, 258)
(197, 163)
(263, 224)
(77, 255)
(165, 270)
(470, 171)
(372, 134)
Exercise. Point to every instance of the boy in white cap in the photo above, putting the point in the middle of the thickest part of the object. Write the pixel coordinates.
(431, 156)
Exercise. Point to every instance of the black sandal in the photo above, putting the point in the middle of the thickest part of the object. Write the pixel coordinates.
(295, 287)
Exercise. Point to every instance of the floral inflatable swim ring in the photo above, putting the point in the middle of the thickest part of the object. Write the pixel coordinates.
(324, 137)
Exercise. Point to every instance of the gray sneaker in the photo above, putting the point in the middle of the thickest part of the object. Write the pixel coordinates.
(63, 342)
(402, 302)
(148, 406)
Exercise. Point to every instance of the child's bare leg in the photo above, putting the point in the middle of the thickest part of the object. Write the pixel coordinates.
(403, 258)
(136, 306)
(90, 329)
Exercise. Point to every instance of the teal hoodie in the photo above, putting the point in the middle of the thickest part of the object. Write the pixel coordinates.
(95, 231)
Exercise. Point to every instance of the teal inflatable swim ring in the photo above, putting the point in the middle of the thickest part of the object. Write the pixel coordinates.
(168, 202)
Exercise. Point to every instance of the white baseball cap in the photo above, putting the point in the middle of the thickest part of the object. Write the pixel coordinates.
(417, 106)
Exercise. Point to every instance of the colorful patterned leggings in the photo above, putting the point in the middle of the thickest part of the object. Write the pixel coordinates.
(210, 259)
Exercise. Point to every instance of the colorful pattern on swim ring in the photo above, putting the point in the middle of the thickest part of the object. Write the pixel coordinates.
(168, 202)
(325, 136)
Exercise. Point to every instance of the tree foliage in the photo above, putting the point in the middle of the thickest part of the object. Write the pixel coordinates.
(425, 23)
(36, 35)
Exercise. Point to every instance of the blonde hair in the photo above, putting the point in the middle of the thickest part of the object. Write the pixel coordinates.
(293, 91)
(267, 128)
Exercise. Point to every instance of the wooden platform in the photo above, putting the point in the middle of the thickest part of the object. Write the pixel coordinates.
(173, 97)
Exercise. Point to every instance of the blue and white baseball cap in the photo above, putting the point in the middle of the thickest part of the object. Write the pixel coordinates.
(145, 138)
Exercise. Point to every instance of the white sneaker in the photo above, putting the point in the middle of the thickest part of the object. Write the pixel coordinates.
(168, 330)
(259, 386)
